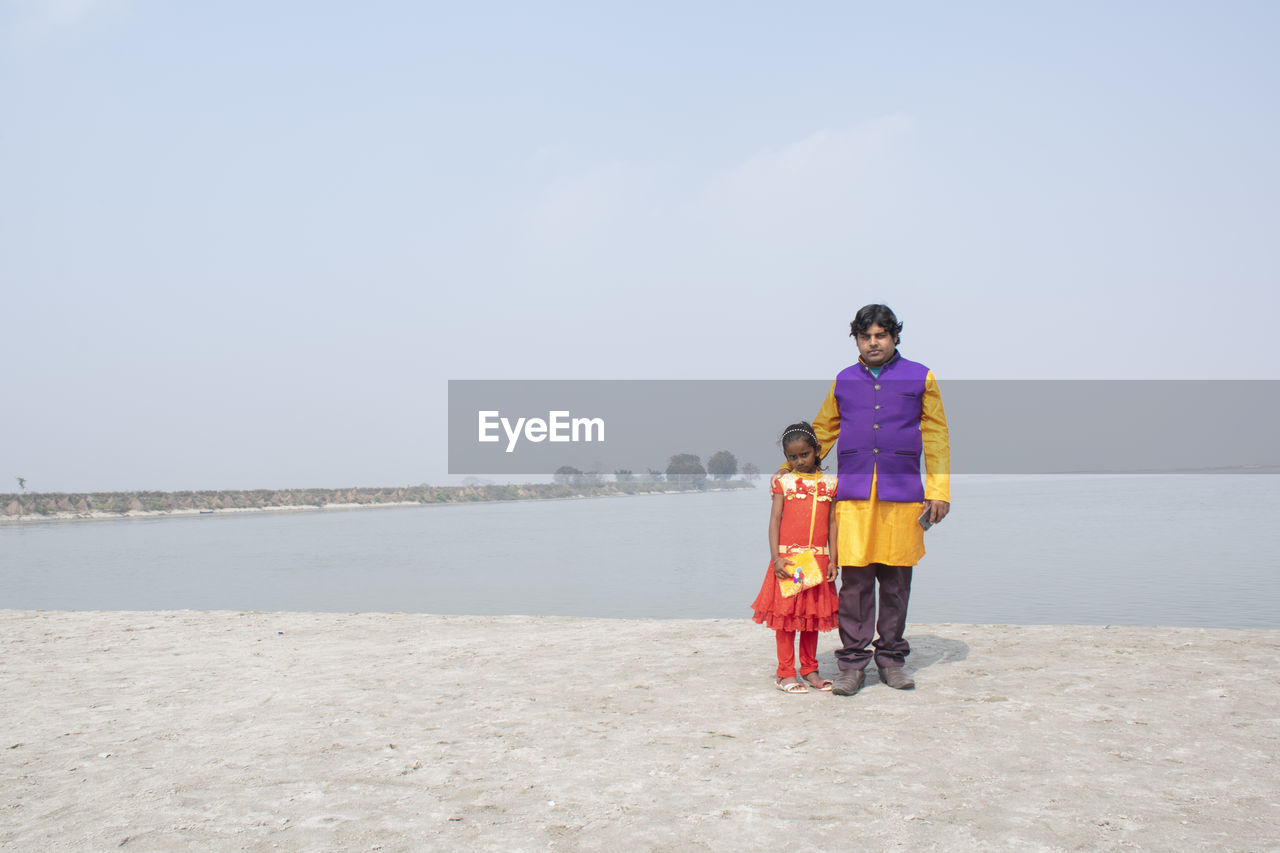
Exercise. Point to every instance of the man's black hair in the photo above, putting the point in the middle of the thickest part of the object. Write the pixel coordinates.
(875, 315)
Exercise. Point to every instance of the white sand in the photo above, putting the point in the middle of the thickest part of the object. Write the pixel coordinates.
(301, 731)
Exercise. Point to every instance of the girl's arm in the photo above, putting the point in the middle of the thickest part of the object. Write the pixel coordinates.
(778, 561)
(833, 549)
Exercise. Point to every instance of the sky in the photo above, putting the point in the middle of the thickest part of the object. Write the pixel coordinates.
(246, 245)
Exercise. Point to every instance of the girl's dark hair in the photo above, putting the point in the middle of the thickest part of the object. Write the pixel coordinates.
(875, 315)
(802, 430)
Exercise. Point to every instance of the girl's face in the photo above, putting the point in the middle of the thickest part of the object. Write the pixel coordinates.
(801, 455)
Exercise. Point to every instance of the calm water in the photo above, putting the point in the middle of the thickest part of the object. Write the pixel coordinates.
(1196, 551)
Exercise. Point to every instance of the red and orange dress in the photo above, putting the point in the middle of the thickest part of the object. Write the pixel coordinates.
(805, 514)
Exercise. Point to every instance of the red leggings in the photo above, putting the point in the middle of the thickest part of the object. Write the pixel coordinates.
(787, 653)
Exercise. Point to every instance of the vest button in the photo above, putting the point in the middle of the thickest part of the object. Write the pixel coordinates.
(876, 450)
(877, 405)
(877, 387)
(875, 426)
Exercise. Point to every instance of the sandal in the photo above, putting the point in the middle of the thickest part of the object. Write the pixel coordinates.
(792, 686)
(821, 684)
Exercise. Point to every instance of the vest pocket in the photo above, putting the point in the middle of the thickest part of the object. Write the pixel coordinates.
(905, 453)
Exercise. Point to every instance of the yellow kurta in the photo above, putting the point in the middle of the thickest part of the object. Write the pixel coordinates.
(875, 531)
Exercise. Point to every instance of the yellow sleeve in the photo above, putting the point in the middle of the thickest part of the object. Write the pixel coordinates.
(937, 443)
(826, 426)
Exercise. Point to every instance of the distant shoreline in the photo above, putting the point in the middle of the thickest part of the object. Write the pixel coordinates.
(58, 506)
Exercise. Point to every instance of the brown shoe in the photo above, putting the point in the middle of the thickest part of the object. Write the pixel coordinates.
(896, 677)
(849, 682)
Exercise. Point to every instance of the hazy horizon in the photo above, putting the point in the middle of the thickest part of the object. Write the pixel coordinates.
(247, 247)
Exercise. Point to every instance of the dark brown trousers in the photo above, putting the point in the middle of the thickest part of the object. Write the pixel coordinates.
(859, 624)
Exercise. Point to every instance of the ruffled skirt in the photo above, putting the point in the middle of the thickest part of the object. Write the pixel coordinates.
(813, 609)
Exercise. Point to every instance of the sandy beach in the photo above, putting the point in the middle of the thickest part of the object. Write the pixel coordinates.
(302, 731)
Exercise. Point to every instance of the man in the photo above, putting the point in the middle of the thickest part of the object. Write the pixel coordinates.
(882, 414)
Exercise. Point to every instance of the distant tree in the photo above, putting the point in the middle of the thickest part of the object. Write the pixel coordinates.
(750, 471)
(22, 483)
(566, 474)
(590, 477)
(655, 475)
(722, 465)
(686, 469)
(623, 475)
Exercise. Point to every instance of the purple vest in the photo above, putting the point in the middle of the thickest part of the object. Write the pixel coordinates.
(880, 431)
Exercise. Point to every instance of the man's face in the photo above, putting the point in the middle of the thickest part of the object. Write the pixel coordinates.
(876, 346)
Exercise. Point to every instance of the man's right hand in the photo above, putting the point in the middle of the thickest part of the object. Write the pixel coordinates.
(938, 510)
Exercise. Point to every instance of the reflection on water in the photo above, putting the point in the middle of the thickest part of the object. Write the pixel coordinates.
(1190, 550)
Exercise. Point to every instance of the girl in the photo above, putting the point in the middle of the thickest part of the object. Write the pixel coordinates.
(801, 520)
